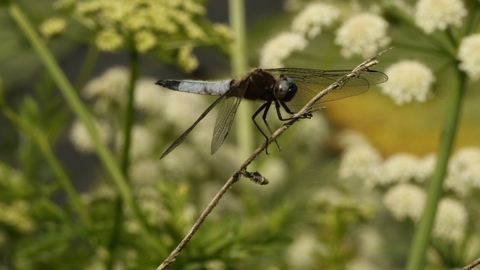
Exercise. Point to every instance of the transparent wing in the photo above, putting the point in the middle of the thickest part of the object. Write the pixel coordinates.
(226, 115)
(182, 137)
(310, 82)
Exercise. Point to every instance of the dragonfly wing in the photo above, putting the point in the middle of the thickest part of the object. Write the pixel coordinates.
(225, 116)
(182, 137)
(310, 82)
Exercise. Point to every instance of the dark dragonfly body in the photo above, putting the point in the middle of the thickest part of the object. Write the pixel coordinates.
(284, 87)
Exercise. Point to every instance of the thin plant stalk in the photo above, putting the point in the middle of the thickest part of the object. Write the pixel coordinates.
(244, 127)
(125, 158)
(82, 114)
(423, 233)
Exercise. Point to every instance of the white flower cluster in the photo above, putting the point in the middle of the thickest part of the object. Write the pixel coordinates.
(81, 139)
(408, 80)
(431, 15)
(362, 34)
(308, 22)
(469, 56)
(107, 90)
(464, 171)
(279, 48)
(311, 20)
(405, 201)
(401, 174)
(451, 220)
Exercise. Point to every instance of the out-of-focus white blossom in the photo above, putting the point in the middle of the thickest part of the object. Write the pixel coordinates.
(142, 142)
(275, 170)
(469, 56)
(362, 161)
(149, 97)
(431, 15)
(280, 47)
(363, 34)
(102, 192)
(107, 90)
(313, 17)
(302, 252)
(451, 220)
(349, 138)
(425, 168)
(313, 132)
(81, 139)
(408, 80)
(361, 264)
(464, 171)
(405, 201)
(400, 168)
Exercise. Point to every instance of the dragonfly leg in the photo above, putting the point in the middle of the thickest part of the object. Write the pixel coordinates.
(308, 116)
(264, 108)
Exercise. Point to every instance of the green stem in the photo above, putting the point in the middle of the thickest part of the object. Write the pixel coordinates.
(87, 67)
(423, 232)
(244, 127)
(125, 158)
(39, 138)
(81, 112)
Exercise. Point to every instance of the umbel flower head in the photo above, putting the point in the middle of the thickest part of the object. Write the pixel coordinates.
(469, 56)
(362, 34)
(431, 15)
(408, 80)
(168, 29)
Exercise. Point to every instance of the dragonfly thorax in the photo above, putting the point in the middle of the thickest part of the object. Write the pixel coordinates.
(285, 89)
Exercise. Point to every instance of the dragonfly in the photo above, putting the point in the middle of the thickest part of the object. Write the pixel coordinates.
(284, 87)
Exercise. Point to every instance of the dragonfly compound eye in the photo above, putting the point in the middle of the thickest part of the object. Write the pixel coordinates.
(285, 87)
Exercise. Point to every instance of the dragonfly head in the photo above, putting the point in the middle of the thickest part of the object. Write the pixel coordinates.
(285, 89)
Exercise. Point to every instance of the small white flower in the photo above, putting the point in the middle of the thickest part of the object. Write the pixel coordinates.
(408, 80)
(349, 138)
(464, 171)
(431, 15)
(313, 17)
(361, 264)
(405, 201)
(275, 170)
(362, 161)
(149, 97)
(469, 56)
(451, 220)
(313, 132)
(81, 138)
(400, 168)
(425, 168)
(280, 47)
(362, 34)
(301, 253)
(142, 142)
(108, 90)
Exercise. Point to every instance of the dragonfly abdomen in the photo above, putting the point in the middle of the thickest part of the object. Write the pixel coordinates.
(213, 88)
